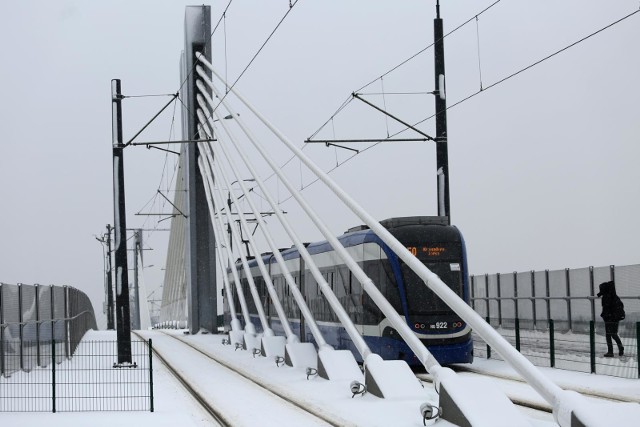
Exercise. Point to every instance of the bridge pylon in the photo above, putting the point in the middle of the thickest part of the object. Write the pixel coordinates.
(195, 273)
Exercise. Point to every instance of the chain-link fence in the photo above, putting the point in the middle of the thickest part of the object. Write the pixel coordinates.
(37, 322)
(553, 317)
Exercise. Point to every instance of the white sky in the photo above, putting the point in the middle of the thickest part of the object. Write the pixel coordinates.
(544, 167)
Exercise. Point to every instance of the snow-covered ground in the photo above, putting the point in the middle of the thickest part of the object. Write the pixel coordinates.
(244, 404)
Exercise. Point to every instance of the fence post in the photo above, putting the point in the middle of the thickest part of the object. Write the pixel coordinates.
(53, 315)
(21, 327)
(568, 299)
(552, 345)
(37, 288)
(592, 287)
(499, 299)
(533, 297)
(66, 322)
(515, 294)
(473, 293)
(151, 374)
(53, 376)
(612, 272)
(486, 286)
(517, 334)
(638, 345)
(546, 280)
(488, 346)
(592, 342)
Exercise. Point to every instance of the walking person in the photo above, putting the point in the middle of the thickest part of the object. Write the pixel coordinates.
(612, 314)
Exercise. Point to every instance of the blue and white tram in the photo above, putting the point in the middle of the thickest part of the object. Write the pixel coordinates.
(438, 245)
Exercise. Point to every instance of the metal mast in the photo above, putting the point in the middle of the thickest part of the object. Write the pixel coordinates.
(442, 156)
(123, 323)
(110, 322)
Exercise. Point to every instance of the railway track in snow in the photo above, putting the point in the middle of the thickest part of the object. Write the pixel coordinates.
(521, 394)
(249, 388)
(214, 412)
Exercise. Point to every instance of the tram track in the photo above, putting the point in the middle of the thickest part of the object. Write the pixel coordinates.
(529, 403)
(310, 410)
(214, 412)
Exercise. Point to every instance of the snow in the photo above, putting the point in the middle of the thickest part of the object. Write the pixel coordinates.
(339, 365)
(244, 404)
(393, 378)
(476, 398)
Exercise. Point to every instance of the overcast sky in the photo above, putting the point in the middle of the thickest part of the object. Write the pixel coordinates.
(544, 167)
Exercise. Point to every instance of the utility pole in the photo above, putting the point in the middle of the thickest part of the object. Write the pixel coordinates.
(137, 244)
(120, 227)
(110, 323)
(442, 155)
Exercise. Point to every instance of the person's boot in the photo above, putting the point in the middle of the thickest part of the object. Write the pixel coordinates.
(608, 354)
(621, 352)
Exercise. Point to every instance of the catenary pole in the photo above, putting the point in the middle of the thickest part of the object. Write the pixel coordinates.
(123, 321)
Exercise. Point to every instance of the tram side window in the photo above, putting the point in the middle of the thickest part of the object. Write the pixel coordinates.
(332, 280)
(251, 305)
(389, 286)
(355, 298)
(342, 287)
(291, 304)
(372, 314)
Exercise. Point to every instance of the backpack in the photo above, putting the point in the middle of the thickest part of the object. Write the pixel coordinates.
(619, 310)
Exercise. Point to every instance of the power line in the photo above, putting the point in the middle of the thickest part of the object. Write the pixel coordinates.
(349, 99)
(255, 55)
(430, 46)
(480, 91)
(528, 67)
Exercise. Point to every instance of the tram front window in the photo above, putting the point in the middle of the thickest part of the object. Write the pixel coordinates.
(421, 299)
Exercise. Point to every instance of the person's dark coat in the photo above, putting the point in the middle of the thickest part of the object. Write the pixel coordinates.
(612, 307)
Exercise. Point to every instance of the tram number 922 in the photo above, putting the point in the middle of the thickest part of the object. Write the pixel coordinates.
(438, 325)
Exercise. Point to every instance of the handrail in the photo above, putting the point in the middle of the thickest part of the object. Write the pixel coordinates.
(547, 298)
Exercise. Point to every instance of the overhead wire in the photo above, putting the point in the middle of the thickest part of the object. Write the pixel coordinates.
(228, 88)
(256, 54)
(429, 46)
(528, 67)
(190, 71)
(350, 98)
(482, 89)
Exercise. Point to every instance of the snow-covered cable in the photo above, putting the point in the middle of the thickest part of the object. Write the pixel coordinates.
(243, 259)
(333, 301)
(221, 236)
(206, 149)
(219, 171)
(304, 309)
(548, 390)
(227, 286)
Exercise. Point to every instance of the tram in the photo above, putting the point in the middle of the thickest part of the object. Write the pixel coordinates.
(438, 245)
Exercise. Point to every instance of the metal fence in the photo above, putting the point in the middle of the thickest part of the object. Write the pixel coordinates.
(40, 324)
(553, 317)
(90, 381)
